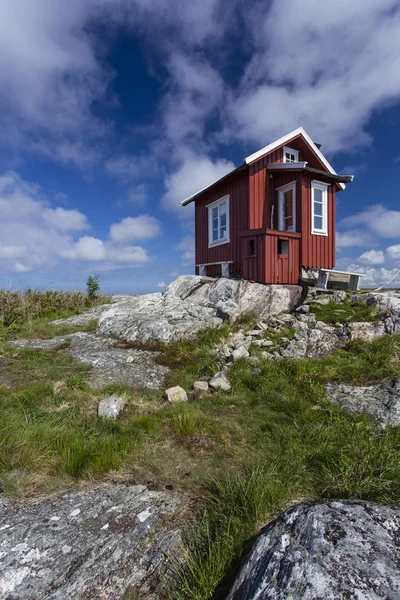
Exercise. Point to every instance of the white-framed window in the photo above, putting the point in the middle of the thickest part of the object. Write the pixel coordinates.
(218, 222)
(319, 208)
(287, 207)
(290, 155)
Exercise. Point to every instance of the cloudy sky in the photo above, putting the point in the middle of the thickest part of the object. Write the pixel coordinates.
(112, 111)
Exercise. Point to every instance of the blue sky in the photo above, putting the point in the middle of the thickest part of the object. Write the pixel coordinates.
(112, 111)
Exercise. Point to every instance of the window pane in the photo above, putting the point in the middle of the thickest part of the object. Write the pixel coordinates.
(317, 195)
(215, 223)
(317, 222)
(222, 209)
(215, 235)
(222, 234)
(223, 220)
(215, 212)
(318, 209)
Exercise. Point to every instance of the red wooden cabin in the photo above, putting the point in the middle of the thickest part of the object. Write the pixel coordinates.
(271, 216)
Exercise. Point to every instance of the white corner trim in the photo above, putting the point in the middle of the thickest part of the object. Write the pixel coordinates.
(287, 138)
(290, 151)
(321, 185)
(209, 207)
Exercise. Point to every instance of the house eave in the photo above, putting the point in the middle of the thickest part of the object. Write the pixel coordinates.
(193, 197)
(303, 166)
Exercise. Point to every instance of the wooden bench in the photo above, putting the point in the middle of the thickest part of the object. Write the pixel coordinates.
(323, 278)
(224, 267)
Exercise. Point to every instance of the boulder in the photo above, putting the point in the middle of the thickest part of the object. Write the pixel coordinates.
(176, 394)
(327, 551)
(381, 401)
(88, 544)
(111, 407)
(220, 382)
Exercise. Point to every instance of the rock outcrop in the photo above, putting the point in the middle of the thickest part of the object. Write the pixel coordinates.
(189, 304)
(110, 364)
(326, 551)
(381, 401)
(87, 545)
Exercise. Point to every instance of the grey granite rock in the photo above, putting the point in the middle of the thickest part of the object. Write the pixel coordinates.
(328, 551)
(87, 545)
(176, 394)
(240, 352)
(381, 401)
(192, 303)
(111, 407)
(220, 382)
(110, 364)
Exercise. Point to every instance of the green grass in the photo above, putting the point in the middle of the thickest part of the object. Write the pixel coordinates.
(344, 313)
(27, 314)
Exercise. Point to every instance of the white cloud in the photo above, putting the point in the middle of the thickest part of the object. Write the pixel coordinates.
(373, 257)
(186, 245)
(65, 220)
(195, 173)
(36, 236)
(393, 252)
(353, 238)
(134, 229)
(307, 82)
(86, 248)
(161, 284)
(378, 219)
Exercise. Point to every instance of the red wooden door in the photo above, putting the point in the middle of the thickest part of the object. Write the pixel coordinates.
(288, 259)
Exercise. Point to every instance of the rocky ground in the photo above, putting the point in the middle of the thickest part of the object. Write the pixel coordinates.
(88, 544)
(91, 544)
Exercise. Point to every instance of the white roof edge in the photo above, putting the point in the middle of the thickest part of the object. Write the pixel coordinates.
(287, 138)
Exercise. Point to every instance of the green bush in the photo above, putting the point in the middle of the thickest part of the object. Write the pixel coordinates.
(93, 285)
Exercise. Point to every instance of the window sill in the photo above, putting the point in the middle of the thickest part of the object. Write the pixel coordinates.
(323, 233)
(219, 243)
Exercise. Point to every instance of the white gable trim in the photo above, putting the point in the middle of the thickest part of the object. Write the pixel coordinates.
(286, 138)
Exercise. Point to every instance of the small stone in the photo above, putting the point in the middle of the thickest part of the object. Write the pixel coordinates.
(255, 372)
(130, 359)
(176, 394)
(201, 386)
(226, 350)
(254, 332)
(111, 407)
(220, 382)
(254, 360)
(240, 352)
(303, 309)
(284, 340)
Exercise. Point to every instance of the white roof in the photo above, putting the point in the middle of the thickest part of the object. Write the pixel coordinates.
(267, 149)
(286, 138)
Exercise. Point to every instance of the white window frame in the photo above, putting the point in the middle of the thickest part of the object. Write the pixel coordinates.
(225, 240)
(320, 185)
(291, 151)
(281, 198)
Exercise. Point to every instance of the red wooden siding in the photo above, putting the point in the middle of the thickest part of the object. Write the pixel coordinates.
(281, 269)
(237, 187)
(318, 251)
